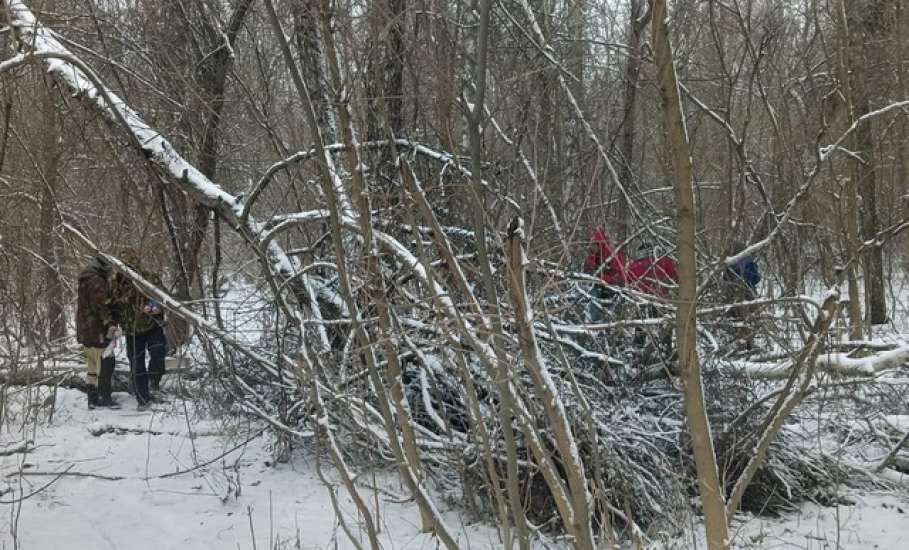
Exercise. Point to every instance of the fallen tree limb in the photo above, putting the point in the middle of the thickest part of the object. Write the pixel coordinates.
(211, 461)
(21, 448)
(58, 475)
(834, 363)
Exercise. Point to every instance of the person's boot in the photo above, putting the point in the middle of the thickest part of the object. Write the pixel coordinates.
(104, 384)
(108, 401)
(93, 399)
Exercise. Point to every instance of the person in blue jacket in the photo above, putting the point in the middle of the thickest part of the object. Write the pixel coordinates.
(744, 275)
(741, 280)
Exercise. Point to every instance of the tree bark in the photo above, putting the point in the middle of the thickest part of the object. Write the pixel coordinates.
(476, 117)
(49, 242)
(212, 87)
(862, 25)
(852, 240)
(312, 64)
(547, 393)
(902, 72)
(629, 119)
(686, 319)
(394, 65)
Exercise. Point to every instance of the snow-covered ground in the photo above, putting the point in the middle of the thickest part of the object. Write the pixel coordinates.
(120, 490)
(133, 481)
(870, 521)
(175, 478)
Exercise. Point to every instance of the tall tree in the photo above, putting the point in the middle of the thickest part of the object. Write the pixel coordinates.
(676, 133)
(637, 23)
(865, 21)
(50, 245)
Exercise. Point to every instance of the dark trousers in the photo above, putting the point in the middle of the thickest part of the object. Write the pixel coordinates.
(154, 342)
(105, 380)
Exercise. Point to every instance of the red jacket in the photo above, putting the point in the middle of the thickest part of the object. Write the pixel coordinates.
(602, 252)
(651, 275)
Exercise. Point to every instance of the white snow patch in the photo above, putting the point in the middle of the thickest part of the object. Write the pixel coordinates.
(209, 508)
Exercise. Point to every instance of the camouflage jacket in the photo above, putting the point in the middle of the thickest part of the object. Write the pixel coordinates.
(131, 303)
(93, 309)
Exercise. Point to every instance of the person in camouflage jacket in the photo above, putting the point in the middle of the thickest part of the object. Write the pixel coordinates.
(95, 327)
(142, 319)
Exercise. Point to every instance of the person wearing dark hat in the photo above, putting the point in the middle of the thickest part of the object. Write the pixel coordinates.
(95, 327)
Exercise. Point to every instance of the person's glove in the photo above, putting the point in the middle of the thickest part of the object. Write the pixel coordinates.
(114, 332)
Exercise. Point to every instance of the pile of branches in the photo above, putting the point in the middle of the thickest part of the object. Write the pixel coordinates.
(614, 380)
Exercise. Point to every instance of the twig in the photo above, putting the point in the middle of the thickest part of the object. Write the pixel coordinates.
(39, 489)
(892, 454)
(215, 459)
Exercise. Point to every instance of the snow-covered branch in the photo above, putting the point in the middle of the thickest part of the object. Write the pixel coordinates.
(39, 42)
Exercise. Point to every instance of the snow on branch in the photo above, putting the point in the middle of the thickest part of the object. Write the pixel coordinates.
(835, 363)
(177, 307)
(825, 152)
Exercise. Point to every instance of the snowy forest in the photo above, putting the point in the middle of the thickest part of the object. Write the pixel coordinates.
(520, 274)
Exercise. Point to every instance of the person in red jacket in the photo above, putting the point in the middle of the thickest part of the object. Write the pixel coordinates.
(604, 260)
(651, 274)
(609, 264)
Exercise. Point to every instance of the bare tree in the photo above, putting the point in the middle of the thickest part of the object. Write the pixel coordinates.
(686, 318)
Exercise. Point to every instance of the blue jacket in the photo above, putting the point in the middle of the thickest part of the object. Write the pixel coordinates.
(745, 270)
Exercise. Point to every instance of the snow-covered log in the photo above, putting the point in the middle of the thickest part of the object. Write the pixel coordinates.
(834, 363)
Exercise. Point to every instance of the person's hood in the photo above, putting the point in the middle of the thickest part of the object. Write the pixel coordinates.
(600, 236)
(599, 246)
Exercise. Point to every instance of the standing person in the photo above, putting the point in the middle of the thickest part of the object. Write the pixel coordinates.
(742, 277)
(741, 280)
(95, 328)
(143, 321)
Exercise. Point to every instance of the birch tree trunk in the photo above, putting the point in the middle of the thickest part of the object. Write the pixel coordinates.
(686, 319)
